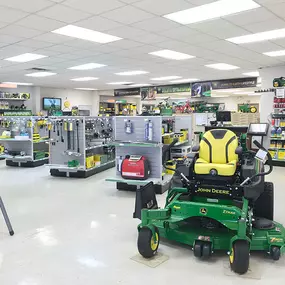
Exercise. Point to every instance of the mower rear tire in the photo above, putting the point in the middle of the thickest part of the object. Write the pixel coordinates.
(198, 249)
(264, 206)
(239, 257)
(275, 252)
(147, 246)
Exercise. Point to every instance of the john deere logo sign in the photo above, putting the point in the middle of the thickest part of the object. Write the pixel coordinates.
(203, 211)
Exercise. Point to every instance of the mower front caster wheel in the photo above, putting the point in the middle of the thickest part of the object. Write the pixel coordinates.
(202, 249)
(147, 243)
(239, 257)
(275, 253)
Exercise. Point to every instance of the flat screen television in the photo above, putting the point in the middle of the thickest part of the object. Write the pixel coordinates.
(51, 104)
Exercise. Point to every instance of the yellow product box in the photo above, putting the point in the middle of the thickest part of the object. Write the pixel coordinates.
(170, 164)
(281, 154)
(167, 139)
(272, 153)
(185, 134)
(179, 136)
(89, 162)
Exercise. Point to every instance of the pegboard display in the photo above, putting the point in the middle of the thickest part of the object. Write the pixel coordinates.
(81, 144)
(24, 140)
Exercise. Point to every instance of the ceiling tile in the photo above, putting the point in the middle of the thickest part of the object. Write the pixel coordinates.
(162, 7)
(62, 48)
(13, 51)
(124, 44)
(53, 38)
(278, 44)
(266, 25)
(179, 33)
(130, 1)
(219, 28)
(98, 23)
(9, 15)
(171, 44)
(9, 39)
(127, 15)
(40, 23)
(265, 46)
(157, 24)
(18, 31)
(30, 6)
(277, 9)
(48, 52)
(64, 14)
(149, 38)
(94, 6)
(34, 43)
(200, 2)
(126, 32)
(250, 17)
(200, 38)
(80, 44)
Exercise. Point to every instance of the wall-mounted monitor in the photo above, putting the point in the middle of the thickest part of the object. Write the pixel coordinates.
(51, 104)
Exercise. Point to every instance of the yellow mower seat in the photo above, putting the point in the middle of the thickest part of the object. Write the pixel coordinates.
(217, 152)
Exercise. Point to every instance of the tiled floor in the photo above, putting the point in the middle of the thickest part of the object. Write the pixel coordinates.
(73, 232)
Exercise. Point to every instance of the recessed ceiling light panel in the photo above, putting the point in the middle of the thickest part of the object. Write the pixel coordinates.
(212, 10)
(87, 66)
(84, 79)
(171, 54)
(86, 89)
(134, 72)
(140, 85)
(25, 57)
(86, 34)
(275, 53)
(258, 37)
(165, 78)
(222, 66)
(40, 74)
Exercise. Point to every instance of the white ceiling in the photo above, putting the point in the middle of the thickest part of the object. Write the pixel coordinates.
(25, 26)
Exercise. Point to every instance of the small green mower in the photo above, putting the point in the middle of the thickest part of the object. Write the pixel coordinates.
(222, 203)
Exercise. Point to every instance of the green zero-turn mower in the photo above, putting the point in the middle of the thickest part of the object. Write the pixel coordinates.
(222, 203)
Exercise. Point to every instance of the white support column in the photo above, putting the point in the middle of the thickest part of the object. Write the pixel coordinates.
(95, 103)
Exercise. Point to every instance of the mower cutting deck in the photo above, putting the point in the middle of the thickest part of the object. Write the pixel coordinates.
(234, 213)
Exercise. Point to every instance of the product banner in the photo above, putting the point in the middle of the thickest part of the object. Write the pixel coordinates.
(127, 92)
(148, 93)
(235, 83)
(178, 88)
(201, 89)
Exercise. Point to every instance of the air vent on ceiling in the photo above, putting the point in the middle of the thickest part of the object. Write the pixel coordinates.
(127, 84)
(38, 69)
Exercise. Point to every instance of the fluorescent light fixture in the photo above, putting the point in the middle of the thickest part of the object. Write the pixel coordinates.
(165, 78)
(275, 53)
(210, 11)
(141, 84)
(87, 66)
(120, 83)
(84, 79)
(25, 57)
(259, 37)
(86, 89)
(86, 34)
(41, 74)
(134, 72)
(222, 66)
(253, 73)
(19, 83)
(184, 80)
(171, 54)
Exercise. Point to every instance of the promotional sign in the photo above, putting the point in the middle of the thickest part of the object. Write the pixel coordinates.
(201, 89)
(148, 93)
(178, 88)
(127, 92)
(235, 83)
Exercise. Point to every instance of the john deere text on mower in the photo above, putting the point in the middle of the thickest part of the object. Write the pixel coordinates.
(223, 203)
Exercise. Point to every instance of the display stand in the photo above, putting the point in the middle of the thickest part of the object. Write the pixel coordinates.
(135, 143)
(25, 140)
(80, 146)
(6, 218)
(277, 139)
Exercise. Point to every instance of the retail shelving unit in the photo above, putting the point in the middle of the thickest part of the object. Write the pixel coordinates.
(277, 141)
(135, 143)
(80, 146)
(25, 140)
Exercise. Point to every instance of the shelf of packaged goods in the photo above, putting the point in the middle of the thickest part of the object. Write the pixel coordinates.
(277, 148)
(41, 141)
(277, 139)
(110, 163)
(139, 144)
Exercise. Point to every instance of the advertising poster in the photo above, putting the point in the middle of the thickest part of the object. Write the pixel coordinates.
(201, 89)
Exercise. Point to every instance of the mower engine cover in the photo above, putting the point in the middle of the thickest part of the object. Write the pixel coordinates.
(135, 167)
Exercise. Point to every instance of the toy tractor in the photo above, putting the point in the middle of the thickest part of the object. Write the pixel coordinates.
(223, 203)
(279, 82)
